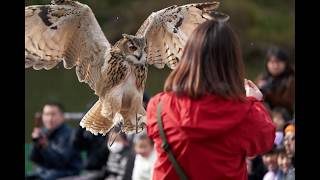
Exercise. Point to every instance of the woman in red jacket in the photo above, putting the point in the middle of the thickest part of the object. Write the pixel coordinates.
(212, 118)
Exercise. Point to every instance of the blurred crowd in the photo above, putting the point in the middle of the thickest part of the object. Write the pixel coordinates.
(277, 84)
(61, 152)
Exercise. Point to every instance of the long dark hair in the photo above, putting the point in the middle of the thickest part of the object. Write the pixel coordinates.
(211, 64)
(278, 83)
(281, 55)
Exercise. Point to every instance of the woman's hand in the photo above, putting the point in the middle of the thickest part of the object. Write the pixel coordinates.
(252, 90)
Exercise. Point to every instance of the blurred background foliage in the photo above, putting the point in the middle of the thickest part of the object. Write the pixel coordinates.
(259, 24)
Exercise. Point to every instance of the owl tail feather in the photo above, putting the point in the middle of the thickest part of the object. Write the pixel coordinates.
(94, 122)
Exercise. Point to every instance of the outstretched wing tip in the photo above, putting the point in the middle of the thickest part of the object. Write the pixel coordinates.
(50, 38)
(168, 30)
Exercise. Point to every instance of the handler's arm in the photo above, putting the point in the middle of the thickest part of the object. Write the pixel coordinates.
(258, 132)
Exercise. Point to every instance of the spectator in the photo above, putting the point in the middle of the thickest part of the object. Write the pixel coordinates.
(280, 117)
(287, 171)
(121, 159)
(270, 161)
(94, 146)
(256, 168)
(52, 149)
(278, 82)
(145, 157)
(289, 141)
(97, 155)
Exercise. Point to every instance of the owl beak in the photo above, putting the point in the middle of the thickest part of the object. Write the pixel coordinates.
(139, 56)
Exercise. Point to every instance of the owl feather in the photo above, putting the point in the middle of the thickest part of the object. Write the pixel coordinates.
(167, 30)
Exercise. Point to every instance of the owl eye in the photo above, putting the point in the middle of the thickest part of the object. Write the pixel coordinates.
(132, 48)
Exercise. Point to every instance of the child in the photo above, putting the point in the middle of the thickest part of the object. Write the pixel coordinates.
(286, 168)
(121, 158)
(289, 141)
(145, 157)
(270, 161)
(280, 117)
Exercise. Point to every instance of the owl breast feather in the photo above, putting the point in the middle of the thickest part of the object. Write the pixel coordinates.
(140, 72)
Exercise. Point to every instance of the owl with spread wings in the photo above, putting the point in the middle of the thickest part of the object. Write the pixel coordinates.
(68, 31)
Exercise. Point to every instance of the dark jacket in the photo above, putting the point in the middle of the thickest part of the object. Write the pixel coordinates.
(57, 157)
(279, 91)
(258, 169)
(94, 146)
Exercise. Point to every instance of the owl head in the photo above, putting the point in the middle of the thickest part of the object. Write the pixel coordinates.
(133, 48)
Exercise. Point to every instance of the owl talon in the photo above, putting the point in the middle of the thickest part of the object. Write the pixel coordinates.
(114, 132)
(136, 123)
(140, 123)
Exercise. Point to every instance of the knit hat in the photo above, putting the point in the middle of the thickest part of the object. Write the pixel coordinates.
(288, 128)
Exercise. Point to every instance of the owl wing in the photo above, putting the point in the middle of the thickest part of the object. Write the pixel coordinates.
(67, 32)
(167, 31)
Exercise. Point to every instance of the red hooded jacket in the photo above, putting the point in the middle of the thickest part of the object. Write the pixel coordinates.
(210, 137)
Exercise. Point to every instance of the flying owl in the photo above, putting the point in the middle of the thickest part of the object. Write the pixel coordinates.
(68, 31)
